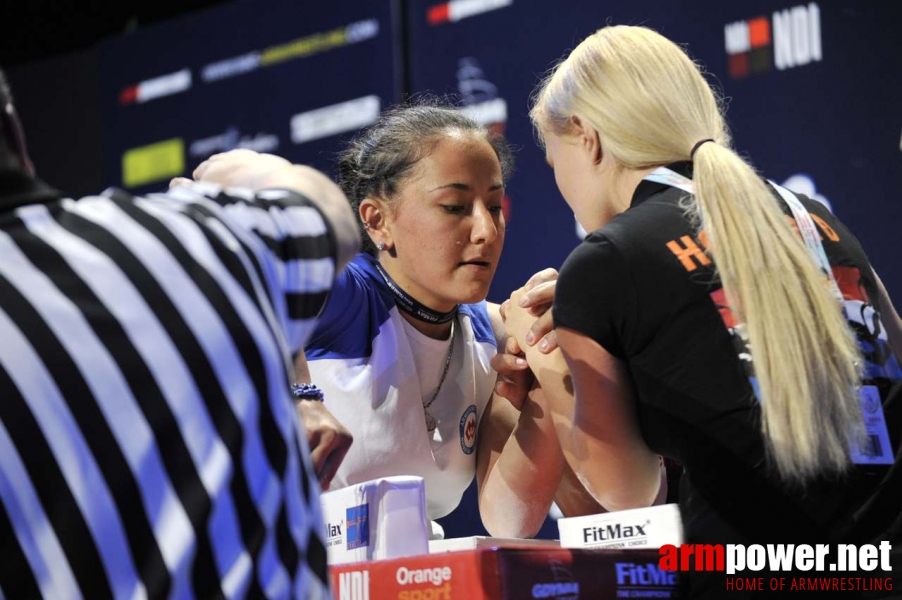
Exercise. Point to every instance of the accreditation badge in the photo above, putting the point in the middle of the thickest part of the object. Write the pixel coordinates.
(876, 449)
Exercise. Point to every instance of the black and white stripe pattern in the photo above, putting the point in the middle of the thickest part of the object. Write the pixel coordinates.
(148, 444)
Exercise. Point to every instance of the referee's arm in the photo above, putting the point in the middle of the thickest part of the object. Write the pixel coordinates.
(245, 168)
(329, 199)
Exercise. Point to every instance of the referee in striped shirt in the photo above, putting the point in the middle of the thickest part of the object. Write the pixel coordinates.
(148, 443)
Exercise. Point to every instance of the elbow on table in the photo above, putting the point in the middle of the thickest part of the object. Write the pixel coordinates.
(626, 499)
(511, 523)
(638, 487)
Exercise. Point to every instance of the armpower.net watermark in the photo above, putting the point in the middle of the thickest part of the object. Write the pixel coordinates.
(787, 567)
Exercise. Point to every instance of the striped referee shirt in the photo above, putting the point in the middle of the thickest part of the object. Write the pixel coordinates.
(149, 447)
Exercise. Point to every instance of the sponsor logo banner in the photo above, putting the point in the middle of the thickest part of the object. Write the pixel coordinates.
(541, 573)
(358, 526)
(316, 43)
(455, 10)
(557, 591)
(758, 567)
(158, 87)
(487, 113)
(334, 119)
(154, 162)
(788, 38)
(231, 139)
(354, 585)
(335, 533)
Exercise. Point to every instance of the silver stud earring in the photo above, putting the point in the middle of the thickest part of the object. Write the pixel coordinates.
(366, 225)
(381, 246)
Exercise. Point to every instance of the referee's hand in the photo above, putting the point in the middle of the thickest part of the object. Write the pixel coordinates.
(242, 168)
(328, 439)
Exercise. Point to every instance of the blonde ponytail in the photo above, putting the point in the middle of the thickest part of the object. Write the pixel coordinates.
(650, 105)
(804, 354)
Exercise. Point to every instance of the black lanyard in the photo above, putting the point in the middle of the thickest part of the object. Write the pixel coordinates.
(410, 305)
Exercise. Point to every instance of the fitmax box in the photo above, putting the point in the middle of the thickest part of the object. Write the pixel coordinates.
(650, 527)
(382, 518)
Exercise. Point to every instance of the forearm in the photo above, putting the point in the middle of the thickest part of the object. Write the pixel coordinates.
(597, 424)
(633, 481)
(301, 369)
(523, 468)
(553, 375)
(572, 497)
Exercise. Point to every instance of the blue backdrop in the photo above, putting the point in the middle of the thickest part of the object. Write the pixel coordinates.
(813, 95)
(272, 76)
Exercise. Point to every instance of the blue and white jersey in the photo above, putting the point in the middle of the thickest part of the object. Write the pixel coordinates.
(361, 358)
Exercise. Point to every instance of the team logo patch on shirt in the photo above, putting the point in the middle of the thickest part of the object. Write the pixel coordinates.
(468, 430)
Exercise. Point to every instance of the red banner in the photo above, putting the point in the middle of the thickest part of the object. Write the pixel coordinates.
(509, 574)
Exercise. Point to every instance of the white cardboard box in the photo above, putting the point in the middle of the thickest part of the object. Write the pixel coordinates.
(480, 541)
(650, 527)
(382, 518)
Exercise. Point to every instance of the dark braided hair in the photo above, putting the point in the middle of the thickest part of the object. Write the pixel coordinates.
(376, 162)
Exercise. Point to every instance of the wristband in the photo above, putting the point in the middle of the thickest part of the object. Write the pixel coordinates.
(307, 391)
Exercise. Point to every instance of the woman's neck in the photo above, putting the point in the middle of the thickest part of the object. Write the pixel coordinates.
(440, 329)
(436, 331)
(620, 186)
(625, 183)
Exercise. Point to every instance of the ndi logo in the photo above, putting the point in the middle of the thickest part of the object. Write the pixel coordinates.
(358, 526)
(797, 36)
(354, 585)
(791, 36)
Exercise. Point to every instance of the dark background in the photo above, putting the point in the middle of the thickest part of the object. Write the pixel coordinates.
(832, 125)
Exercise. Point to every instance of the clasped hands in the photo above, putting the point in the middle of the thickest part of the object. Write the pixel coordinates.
(528, 322)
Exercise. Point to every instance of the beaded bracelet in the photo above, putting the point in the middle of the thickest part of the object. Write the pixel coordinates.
(307, 391)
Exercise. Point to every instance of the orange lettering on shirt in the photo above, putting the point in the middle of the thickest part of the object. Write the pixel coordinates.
(823, 229)
(688, 253)
(828, 231)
